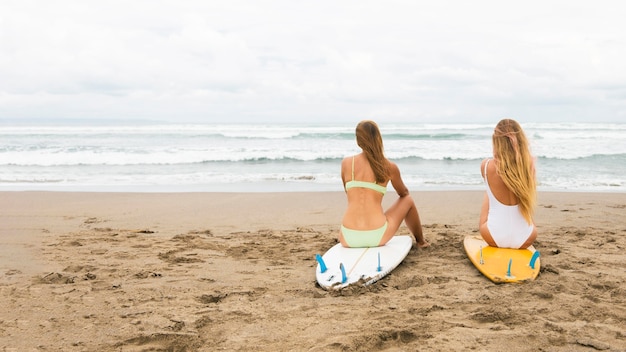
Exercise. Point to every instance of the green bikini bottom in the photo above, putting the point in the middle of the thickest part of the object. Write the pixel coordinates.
(363, 238)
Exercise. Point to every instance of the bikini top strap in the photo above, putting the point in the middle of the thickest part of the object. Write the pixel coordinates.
(353, 168)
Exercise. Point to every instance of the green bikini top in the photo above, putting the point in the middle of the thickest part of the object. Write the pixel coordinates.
(364, 184)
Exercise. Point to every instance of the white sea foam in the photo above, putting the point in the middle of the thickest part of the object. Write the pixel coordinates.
(571, 156)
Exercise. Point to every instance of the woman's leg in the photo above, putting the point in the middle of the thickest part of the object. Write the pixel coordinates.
(531, 238)
(342, 240)
(404, 209)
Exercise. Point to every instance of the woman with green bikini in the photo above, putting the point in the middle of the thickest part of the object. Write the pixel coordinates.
(365, 177)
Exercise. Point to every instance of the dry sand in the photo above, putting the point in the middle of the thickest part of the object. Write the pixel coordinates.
(235, 272)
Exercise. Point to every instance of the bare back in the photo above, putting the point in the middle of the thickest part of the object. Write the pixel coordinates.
(497, 186)
(364, 211)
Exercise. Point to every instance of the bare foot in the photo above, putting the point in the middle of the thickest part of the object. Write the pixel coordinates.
(423, 244)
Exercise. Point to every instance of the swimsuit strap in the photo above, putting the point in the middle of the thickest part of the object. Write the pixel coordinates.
(489, 191)
(353, 168)
(364, 184)
(486, 163)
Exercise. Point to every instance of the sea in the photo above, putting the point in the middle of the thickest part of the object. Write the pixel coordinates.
(176, 157)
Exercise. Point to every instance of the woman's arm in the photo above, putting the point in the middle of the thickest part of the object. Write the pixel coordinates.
(396, 180)
(344, 163)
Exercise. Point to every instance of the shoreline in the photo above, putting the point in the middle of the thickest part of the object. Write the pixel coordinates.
(267, 187)
(205, 271)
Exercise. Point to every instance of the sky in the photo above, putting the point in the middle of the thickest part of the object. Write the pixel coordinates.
(323, 61)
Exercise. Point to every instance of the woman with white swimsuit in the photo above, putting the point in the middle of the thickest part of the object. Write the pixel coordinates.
(506, 217)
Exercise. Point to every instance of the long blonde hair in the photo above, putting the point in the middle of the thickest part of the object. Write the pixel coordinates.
(515, 164)
(369, 139)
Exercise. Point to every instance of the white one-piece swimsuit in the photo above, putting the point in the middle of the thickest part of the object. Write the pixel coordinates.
(507, 226)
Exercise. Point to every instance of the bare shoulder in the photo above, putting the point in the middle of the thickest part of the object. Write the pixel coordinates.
(346, 164)
(347, 161)
(393, 168)
(394, 172)
(396, 179)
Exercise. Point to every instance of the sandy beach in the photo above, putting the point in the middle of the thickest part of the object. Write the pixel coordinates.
(236, 272)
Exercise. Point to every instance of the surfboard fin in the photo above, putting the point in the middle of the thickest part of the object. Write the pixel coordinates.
(379, 268)
(534, 259)
(508, 271)
(319, 259)
(344, 278)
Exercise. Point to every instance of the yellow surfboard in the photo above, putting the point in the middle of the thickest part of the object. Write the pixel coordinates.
(502, 264)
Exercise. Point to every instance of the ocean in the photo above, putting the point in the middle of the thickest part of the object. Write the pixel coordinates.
(286, 158)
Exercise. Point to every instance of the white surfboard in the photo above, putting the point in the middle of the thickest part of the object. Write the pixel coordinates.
(341, 266)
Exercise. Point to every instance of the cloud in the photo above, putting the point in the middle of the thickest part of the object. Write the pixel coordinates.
(325, 61)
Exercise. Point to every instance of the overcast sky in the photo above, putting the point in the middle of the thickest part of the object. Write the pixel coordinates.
(313, 61)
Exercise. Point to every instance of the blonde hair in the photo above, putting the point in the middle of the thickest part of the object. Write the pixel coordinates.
(515, 164)
(369, 139)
